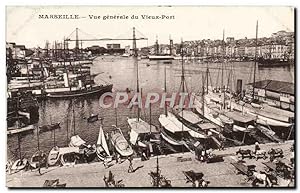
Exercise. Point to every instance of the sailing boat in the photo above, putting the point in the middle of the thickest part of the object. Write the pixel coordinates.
(265, 114)
(137, 125)
(102, 150)
(54, 153)
(158, 56)
(39, 158)
(120, 143)
(75, 141)
(68, 91)
(174, 131)
(22, 162)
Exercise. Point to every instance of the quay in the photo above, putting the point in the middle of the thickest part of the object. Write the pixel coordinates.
(220, 174)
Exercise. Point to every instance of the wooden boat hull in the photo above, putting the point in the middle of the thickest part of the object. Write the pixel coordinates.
(92, 118)
(37, 158)
(121, 145)
(53, 156)
(25, 130)
(19, 165)
(51, 127)
(81, 93)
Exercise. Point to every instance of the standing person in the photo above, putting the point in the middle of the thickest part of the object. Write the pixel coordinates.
(130, 168)
(256, 148)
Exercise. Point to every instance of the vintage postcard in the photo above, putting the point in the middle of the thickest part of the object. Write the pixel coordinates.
(150, 96)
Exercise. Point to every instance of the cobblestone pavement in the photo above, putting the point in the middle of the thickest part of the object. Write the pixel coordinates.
(221, 174)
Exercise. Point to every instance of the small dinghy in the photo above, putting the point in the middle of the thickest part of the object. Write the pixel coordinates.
(88, 150)
(120, 143)
(19, 165)
(92, 118)
(53, 156)
(102, 150)
(37, 158)
(50, 127)
(69, 155)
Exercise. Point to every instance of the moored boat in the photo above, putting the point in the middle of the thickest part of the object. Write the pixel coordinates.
(53, 156)
(19, 164)
(120, 143)
(67, 93)
(102, 150)
(38, 159)
(50, 127)
(92, 118)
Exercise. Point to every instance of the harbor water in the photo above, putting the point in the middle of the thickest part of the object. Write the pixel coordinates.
(121, 72)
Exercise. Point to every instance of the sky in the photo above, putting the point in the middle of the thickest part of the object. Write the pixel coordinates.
(23, 25)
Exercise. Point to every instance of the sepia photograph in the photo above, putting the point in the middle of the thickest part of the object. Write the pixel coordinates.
(150, 96)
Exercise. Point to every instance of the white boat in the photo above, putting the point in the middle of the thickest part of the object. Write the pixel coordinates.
(170, 140)
(76, 141)
(125, 55)
(189, 117)
(37, 158)
(26, 129)
(68, 155)
(102, 150)
(20, 164)
(89, 150)
(173, 125)
(53, 156)
(161, 57)
(120, 143)
(138, 129)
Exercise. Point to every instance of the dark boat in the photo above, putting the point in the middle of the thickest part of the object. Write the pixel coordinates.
(91, 91)
(276, 62)
(51, 127)
(88, 150)
(92, 118)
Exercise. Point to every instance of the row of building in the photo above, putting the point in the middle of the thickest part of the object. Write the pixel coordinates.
(280, 45)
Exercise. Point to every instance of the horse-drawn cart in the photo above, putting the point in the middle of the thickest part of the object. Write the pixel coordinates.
(196, 178)
(244, 169)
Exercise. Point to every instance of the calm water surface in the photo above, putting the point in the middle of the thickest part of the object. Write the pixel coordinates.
(121, 72)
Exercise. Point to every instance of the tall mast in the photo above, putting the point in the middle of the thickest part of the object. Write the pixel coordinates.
(116, 116)
(38, 138)
(165, 84)
(135, 54)
(223, 85)
(67, 127)
(182, 84)
(150, 117)
(255, 58)
(73, 117)
(66, 70)
(77, 44)
(156, 46)
(171, 45)
(19, 126)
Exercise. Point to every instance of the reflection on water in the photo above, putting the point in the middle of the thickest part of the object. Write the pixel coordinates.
(122, 73)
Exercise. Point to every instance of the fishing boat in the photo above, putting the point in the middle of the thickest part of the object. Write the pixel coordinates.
(50, 127)
(102, 150)
(138, 127)
(159, 56)
(72, 93)
(19, 165)
(92, 118)
(23, 130)
(141, 132)
(120, 143)
(69, 155)
(88, 150)
(189, 117)
(53, 156)
(38, 159)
